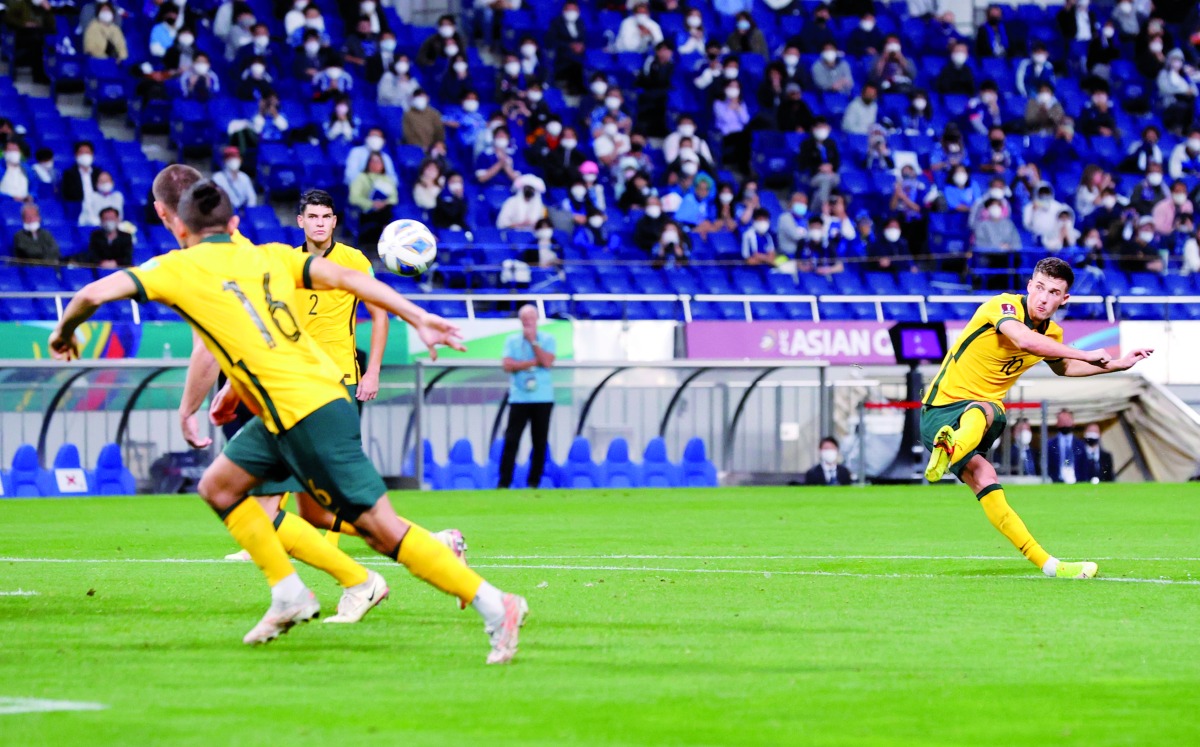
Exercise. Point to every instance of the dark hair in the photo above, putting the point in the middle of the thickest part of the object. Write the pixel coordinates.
(761, 213)
(316, 198)
(42, 154)
(830, 440)
(80, 143)
(172, 182)
(205, 207)
(1053, 267)
(110, 209)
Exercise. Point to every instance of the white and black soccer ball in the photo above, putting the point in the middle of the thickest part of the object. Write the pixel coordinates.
(407, 247)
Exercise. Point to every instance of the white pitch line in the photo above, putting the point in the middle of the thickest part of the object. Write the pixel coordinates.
(13, 706)
(18, 593)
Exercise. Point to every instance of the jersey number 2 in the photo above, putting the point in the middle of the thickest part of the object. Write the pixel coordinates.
(276, 309)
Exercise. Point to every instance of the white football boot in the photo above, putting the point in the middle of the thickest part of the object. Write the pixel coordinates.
(504, 637)
(358, 600)
(281, 617)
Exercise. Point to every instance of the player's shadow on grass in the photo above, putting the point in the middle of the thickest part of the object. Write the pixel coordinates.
(1016, 570)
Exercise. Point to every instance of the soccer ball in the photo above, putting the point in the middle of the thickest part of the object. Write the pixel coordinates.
(407, 247)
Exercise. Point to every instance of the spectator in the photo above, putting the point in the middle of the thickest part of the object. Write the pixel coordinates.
(1109, 216)
(333, 81)
(912, 197)
(692, 39)
(456, 80)
(531, 62)
(861, 113)
(829, 470)
(1150, 191)
(444, 44)
(917, 117)
(590, 237)
(374, 192)
(815, 36)
(429, 185)
(792, 72)
(709, 70)
(686, 128)
(269, 123)
(697, 210)
(1190, 259)
(422, 124)
(879, 154)
(397, 87)
(9, 133)
(510, 81)
(256, 82)
(1090, 192)
(1035, 72)
(31, 242)
(730, 117)
(956, 77)
(16, 182)
(383, 59)
(821, 251)
(949, 152)
(792, 228)
(747, 37)
(310, 58)
(370, 10)
(342, 124)
(1166, 212)
(103, 39)
(162, 34)
(1001, 159)
(497, 159)
(537, 112)
(758, 246)
(465, 121)
(961, 193)
(1142, 153)
(104, 195)
(889, 251)
(794, 114)
(566, 40)
(548, 250)
(994, 229)
(30, 22)
(866, 40)
(1102, 51)
(891, 70)
(943, 28)
(1185, 157)
(1150, 52)
(294, 18)
(108, 246)
(314, 21)
(1043, 114)
(1141, 253)
(563, 163)
(673, 243)
(1022, 460)
(1126, 20)
(235, 182)
(831, 72)
(1076, 21)
(1097, 118)
(638, 32)
(635, 188)
(1065, 451)
(1063, 235)
(992, 38)
(612, 105)
(240, 34)
(819, 161)
(591, 175)
(451, 211)
(490, 18)
(356, 159)
(260, 48)
(648, 228)
(654, 81)
(1097, 464)
(997, 190)
(1177, 93)
(361, 44)
(523, 210)
(200, 82)
(983, 111)
(43, 168)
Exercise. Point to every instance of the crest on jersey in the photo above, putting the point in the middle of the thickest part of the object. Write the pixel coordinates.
(1007, 309)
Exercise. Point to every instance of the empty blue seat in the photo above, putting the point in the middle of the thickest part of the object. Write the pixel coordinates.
(618, 470)
(111, 477)
(461, 472)
(657, 470)
(697, 471)
(579, 471)
(431, 469)
(26, 479)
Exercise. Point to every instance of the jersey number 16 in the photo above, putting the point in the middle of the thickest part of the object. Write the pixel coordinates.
(276, 309)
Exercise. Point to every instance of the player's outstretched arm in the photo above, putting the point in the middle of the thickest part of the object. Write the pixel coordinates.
(1040, 345)
(432, 329)
(1083, 368)
(92, 296)
(201, 375)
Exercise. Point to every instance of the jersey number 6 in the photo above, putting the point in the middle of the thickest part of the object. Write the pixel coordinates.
(276, 309)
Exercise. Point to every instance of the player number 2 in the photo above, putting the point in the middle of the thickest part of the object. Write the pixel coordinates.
(281, 315)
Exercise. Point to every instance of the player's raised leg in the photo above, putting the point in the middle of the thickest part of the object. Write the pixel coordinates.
(224, 486)
(953, 444)
(980, 476)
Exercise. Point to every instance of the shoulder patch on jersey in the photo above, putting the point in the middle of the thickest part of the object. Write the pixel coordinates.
(149, 264)
(1008, 309)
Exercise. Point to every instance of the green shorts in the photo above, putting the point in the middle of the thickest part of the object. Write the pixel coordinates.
(933, 418)
(322, 455)
(291, 484)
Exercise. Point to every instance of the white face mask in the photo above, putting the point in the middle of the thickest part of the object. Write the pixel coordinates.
(109, 226)
(512, 69)
(471, 106)
(1156, 46)
(762, 226)
(570, 16)
(387, 45)
(653, 211)
(375, 143)
(262, 42)
(732, 92)
(342, 109)
(687, 130)
(725, 198)
(1154, 178)
(1040, 59)
(1109, 202)
(689, 168)
(800, 208)
(578, 193)
(234, 165)
(589, 179)
(544, 233)
(333, 72)
(105, 16)
(612, 103)
(553, 129)
(1045, 98)
(446, 31)
(960, 179)
(829, 56)
(257, 69)
(820, 133)
(996, 212)
(829, 457)
(1109, 32)
(12, 156)
(816, 234)
(596, 221)
(32, 227)
(891, 47)
(695, 22)
(1146, 236)
(1193, 144)
(1025, 438)
(569, 144)
(201, 68)
(500, 144)
(988, 98)
(670, 237)
(996, 193)
(610, 129)
(104, 188)
(368, 7)
(867, 25)
(891, 234)
(920, 104)
(311, 48)
(791, 60)
(451, 50)
(687, 154)
(959, 58)
(528, 50)
(186, 40)
(317, 24)
(535, 96)
(459, 67)
(402, 67)
(599, 87)
(730, 73)
(84, 160)
(1178, 198)
(420, 102)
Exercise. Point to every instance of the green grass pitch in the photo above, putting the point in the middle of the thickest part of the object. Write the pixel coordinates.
(879, 616)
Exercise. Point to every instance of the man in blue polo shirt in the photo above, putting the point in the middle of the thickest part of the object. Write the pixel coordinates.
(528, 358)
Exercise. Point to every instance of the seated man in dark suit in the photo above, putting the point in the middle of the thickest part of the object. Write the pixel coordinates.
(1097, 464)
(829, 471)
(1022, 458)
(1065, 450)
(108, 246)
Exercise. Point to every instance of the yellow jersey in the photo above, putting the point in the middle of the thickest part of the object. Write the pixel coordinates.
(237, 238)
(242, 302)
(330, 317)
(984, 364)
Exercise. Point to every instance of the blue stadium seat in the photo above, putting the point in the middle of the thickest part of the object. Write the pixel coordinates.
(579, 471)
(617, 469)
(111, 477)
(696, 470)
(461, 472)
(432, 470)
(657, 470)
(26, 478)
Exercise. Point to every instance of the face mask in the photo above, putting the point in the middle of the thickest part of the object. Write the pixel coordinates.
(610, 129)
(368, 7)
(687, 130)
(960, 179)
(959, 58)
(653, 211)
(1109, 202)
(186, 40)
(105, 16)
(791, 60)
(1091, 439)
(420, 102)
(1045, 98)
(528, 50)
(867, 25)
(300, 5)
(569, 144)
(1156, 46)
(1040, 59)
(816, 235)
(599, 87)
(456, 189)
(12, 156)
(375, 143)
(535, 96)
(1154, 179)
(743, 26)
(1178, 198)
(387, 45)
(670, 237)
(730, 73)
(233, 164)
(333, 72)
(311, 48)
(821, 133)
(725, 198)
(612, 103)
(544, 234)
(690, 168)
(570, 16)
(996, 193)
(578, 193)
(110, 226)
(32, 227)
(996, 212)
(920, 104)
(554, 129)
(762, 226)
(460, 68)
(1025, 438)
(446, 31)
(694, 22)
(528, 192)
(891, 234)
(317, 24)
(1193, 144)
(829, 56)
(732, 92)
(512, 69)
(1064, 431)
(596, 221)
(800, 208)
(500, 144)
(1109, 32)
(1146, 236)
(1092, 243)
(829, 456)
(892, 47)
(261, 42)
(451, 50)
(989, 98)
(402, 67)
(258, 69)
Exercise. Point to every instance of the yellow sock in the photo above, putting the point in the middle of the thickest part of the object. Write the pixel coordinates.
(283, 501)
(305, 543)
(252, 529)
(428, 559)
(971, 427)
(342, 527)
(333, 537)
(1010, 525)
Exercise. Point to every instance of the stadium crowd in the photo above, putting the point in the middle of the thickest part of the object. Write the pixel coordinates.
(631, 129)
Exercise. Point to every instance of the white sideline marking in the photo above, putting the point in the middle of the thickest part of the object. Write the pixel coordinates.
(12, 706)
(645, 569)
(18, 593)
